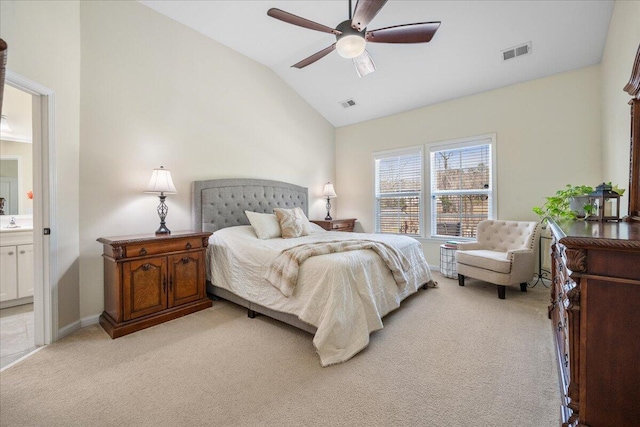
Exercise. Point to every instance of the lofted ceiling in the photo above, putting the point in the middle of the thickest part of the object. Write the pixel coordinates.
(463, 58)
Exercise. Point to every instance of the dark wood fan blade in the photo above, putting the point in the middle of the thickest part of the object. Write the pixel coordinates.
(313, 58)
(409, 33)
(365, 11)
(300, 22)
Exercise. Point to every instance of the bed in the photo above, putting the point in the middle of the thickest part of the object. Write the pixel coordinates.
(339, 297)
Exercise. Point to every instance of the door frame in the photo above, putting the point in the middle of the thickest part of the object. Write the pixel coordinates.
(45, 287)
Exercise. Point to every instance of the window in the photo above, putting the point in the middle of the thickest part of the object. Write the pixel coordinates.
(398, 191)
(462, 183)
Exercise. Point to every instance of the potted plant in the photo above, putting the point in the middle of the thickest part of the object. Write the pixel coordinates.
(570, 203)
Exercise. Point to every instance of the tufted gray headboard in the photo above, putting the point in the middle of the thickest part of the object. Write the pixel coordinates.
(220, 203)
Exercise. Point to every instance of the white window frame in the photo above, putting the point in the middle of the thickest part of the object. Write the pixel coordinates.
(395, 153)
(491, 192)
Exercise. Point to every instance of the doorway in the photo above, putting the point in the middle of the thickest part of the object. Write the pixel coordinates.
(38, 207)
(17, 336)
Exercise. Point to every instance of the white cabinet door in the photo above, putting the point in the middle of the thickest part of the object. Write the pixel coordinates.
(8, 273)
(25, 270)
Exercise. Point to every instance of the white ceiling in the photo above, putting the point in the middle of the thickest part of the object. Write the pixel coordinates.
(462, 59)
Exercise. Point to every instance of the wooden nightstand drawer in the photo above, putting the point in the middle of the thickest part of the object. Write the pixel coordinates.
(153, 248)
(337, 224)
(341, 225)
(129, 247)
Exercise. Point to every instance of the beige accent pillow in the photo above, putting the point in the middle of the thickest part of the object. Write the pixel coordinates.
(293, 222)
(266, 226)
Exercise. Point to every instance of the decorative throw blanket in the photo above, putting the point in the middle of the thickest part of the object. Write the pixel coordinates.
(283, 271)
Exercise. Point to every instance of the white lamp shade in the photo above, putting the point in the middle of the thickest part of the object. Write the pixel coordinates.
(161, 182)
(351, 46)
(329, 191)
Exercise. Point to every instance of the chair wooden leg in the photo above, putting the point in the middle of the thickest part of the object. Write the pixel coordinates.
(501, 291)
(460, 280)
(523, 287)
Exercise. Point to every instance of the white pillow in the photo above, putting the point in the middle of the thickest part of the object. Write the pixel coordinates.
(266, 226)
(315, 228)
(307, 225)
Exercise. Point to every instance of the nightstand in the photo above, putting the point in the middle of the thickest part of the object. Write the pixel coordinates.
(337, 224)
(151, 279)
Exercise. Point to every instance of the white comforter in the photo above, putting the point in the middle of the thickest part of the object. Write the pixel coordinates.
(344, 295)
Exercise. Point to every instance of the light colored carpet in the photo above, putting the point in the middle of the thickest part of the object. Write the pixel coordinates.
(450, 356)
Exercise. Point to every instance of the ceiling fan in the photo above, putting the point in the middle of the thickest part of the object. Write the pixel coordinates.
(352, 35)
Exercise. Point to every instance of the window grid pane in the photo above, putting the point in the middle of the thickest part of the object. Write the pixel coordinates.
(399, 215)
(459, 215)
(461, 190)
(398, 185)
(466, 168)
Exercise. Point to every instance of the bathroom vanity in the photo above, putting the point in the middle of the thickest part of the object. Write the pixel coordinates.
(16, 262)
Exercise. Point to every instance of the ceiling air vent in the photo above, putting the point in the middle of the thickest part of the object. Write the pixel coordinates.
(516, 51)
(348, 103)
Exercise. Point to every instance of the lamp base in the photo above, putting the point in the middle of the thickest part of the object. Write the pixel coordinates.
(163, 230)
(328, 217)
(162, 213)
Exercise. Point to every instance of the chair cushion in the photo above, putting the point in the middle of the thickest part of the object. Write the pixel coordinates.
(488, 260)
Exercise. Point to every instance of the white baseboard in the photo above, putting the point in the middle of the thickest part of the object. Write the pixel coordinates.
(69, 329)
(89, 320)
(85, 321)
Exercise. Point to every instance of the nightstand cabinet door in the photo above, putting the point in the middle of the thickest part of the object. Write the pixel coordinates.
(145, 287)
(186, 278)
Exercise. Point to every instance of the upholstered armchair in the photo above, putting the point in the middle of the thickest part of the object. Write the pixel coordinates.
(504, 254)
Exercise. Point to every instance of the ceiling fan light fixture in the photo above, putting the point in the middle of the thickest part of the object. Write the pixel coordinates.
(364, 64)
(350, 46)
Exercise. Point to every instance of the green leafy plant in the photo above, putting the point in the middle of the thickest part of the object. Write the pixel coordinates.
(615, 188)
(558, 206)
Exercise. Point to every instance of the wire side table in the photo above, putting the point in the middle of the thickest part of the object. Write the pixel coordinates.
(448, 261)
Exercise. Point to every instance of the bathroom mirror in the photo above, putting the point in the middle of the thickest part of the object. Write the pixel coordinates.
(16, 153)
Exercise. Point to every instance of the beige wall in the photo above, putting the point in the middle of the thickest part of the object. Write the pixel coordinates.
(547, 130)
(43, 40)
(22, 149)
(620, 51)
(155, 92)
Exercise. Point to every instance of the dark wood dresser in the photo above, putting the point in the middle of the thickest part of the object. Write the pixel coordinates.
(336, 224)
(595, 310)
(150, 279)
